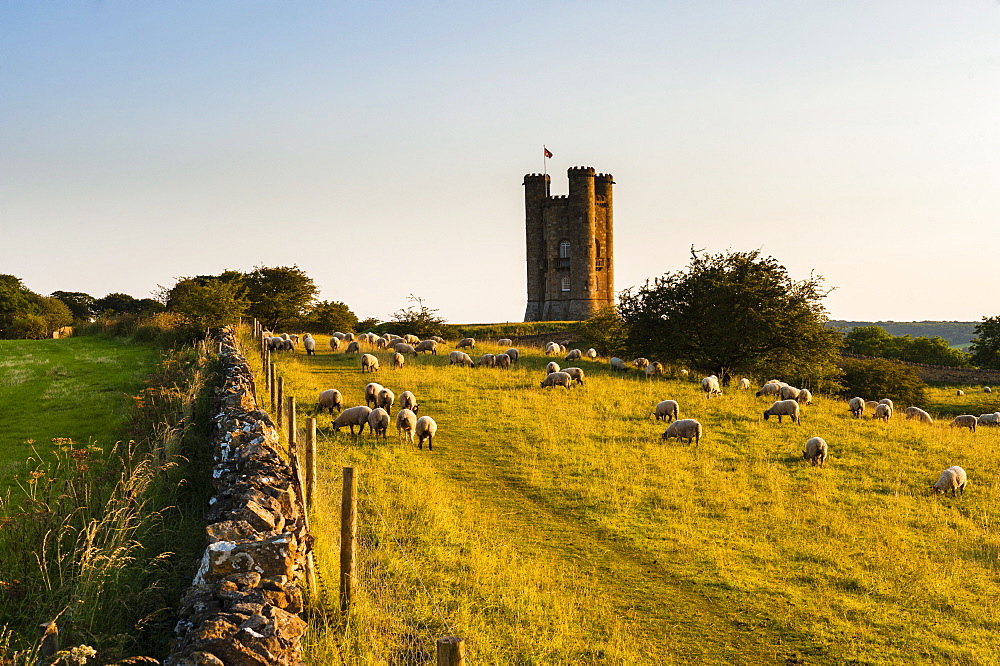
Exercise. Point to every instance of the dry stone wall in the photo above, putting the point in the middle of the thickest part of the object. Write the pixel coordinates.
(243, 606)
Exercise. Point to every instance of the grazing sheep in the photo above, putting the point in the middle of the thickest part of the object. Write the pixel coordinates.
(404, 348)
(562, 349)
(575, 373)
(487, 360)
(552, 367)
(408, 401)
(965, 421)
(953, 478)
(378, 422)
(883, 412)
(551, 348)
(460, 358)
(385, 398)
(857, 407)
(504, 342)
(744, 385)
(514, 354)
(406, 423)
(337, 334)
(330, 399)
(334, 343)
(987, 389)
(688, 429)
(710, 385)
(557, 379)
(618, 365)
(815, 451)
(349, 337)
(369, 363)
(411, 339)
(381, 343)
(466, 342)
(438, 339)
(398, 360)
(653, 369)
(574, 355)
(788, 393)
(959, 393)
(871, 404)
(309, 344)
(591, 353)
(770, 388)
(989, 419)
(887, 401)
(640, 363)
(918, 414)
(371, 393)
(501, 361)
(294, 338)
(805, 397)
(426, 428)
(665, 409)
(427, 346)
(353, 347)
(284, 336)
(353, 416)
(781, 408)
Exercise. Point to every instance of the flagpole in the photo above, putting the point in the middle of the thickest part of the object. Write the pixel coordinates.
(545, 161)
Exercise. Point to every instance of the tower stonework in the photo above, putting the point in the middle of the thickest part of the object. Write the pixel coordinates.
(570, 246)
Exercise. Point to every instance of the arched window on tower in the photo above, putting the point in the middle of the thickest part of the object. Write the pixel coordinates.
(565, 283)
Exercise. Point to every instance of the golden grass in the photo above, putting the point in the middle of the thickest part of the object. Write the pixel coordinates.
(554, 527)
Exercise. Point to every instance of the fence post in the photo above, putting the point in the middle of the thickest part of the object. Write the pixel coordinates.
(280, 399)
(310, 463)
(271, 388)
(348, 530)
(451, 651)
(50, 640)
(292, 435)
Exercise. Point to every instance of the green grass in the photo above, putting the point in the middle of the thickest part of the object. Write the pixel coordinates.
(555, 527)
(75, 388)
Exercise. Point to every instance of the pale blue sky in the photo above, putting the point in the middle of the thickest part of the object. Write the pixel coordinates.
(381, 146)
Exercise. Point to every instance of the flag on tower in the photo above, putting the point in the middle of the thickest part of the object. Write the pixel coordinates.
(548, 153)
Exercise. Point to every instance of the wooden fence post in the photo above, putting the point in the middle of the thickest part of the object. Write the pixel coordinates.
(271, 388)
(310, 463)
(292, 435)
(451, 651)
(280, 398)
(348, 530)
(50, 640)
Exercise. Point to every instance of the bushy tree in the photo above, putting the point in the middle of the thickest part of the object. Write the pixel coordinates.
(25, 314)
(329, 316)
(56, 313)
(604, 331)
(279, 295)
(207, 303)
(79, 303)
(874, 379)
(421, 320)
(117, 303)
(734, 312)
(876, 341)
(16, 301)
(985, 347)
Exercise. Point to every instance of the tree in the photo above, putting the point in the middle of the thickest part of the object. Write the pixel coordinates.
(55, 312)
(16, 301)
(79, 303)
(421, 321)
(878, 378)
(734, 312)
(329, 316)
(278, 295)
(207, 303)
(605, 331)
(985, 347)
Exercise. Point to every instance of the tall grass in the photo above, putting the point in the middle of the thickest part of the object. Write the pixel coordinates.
(553, 526)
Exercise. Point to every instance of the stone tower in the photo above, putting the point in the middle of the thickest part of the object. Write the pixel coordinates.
(569, 246)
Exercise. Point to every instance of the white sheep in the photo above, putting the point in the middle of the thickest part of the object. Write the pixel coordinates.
(504, 342)
(557, 379)
(330, 399)
(668, 410)
(552, 367)
(883, 412)
(684, 429)
(371, 393)
(959, 393)
(805, 397)
(349, 337)
(953, 479)
(918, 414)
(337, 334)
(294, 338)
(514, 354)
(857, 407)
(438, 339)
(460, 358)
(871, 404)
(815, 451)
(487, 360)
(575, 373)
(385, 398)
(551, 348)
(788, 393)
(987, 389)
(591, 353)
(770, 388)
(653, 369)
(398, 360)
(965, 421)
(466, 342)
(887, 401)
(574, 355)
(781, 408)
(378, 422)
(309, 344)
(353, 416)
(618, 365)
(381, 343)
(334, 343)
(353, 347)
(710, 385)
(408, 401)
(989, 419)
(404, 348)
(501, 361)
(426, 428)
(562, 349)
(640, 363)
(427, 346)
(411, 339)
(406, 423)
(744, 385)
(369, 363)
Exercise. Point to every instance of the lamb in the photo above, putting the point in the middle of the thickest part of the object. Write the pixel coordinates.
(335, 343)
(640, 363)
(426, 428)
(857, 407)
(557, 379)
(404, 348)
(398, 360)
(688, 429)
(514, 354)
(591, 353)
(653, 369)
(575, 373)
(965, 421)
(551, 348)
(883, 412)
(501, 361)
(460, 358)
(788, 393)
(665, 409)
(353, 347)
(574, 355)
(353, 416)
(953, 478)
(385, 398)
(309, 344)
(618, 365)
(988, 419)
(918, 414)
(411, 339)
(406, 423)
(710, 385)
(408, 401)
(369, 363)
(371, 393)
(466, 342)
(427, 346)
(378, 422)
(487, 360)
(552, 367)
(504, 342)
(805, 397)
(330, 399)
(815, 451)
(959, 393)
(744, 385)
(781, 408)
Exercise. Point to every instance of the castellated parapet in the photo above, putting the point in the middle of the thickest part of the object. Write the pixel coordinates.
(570, 246)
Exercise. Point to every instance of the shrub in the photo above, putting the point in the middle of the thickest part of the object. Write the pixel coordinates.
(874, 379)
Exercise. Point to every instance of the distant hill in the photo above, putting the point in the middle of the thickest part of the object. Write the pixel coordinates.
(957, 333)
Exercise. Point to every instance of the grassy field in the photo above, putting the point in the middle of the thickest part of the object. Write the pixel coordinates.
(75, 387)
(555, 527)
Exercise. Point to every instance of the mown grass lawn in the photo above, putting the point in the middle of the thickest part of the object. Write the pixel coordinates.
(74, 387)
(555, 527)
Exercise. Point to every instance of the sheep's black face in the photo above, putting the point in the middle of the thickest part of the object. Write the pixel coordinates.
(766, 416)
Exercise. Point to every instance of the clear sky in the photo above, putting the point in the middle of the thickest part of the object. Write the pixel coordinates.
(380, 146)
